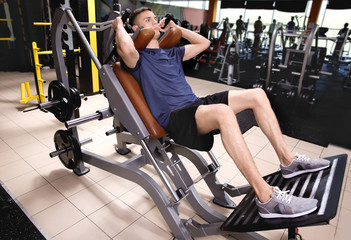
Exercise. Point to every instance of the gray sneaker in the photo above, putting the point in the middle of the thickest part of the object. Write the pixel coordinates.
(302, 164)
(283, 205)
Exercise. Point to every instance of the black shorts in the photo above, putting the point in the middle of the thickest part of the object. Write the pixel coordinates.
(182, 126)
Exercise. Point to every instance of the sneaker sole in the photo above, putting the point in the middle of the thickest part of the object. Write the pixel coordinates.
(280, 215)
(294, 174)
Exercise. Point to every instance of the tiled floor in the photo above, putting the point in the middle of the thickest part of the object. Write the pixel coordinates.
(103, 206)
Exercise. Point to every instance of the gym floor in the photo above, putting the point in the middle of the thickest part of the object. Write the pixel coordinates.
(100, 205)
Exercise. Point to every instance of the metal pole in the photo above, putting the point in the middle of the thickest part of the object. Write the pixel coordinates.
(83, 39)
(159, 170)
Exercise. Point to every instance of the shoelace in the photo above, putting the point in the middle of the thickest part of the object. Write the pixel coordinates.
(302, 157)
(283, 195)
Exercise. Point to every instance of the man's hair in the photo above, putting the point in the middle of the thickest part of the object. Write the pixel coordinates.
(136, 12)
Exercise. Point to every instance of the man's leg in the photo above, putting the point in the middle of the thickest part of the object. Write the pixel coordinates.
(271, 202)
(257, 100)
(221, 116)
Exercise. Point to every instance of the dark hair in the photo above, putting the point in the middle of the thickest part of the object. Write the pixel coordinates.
(136, 12)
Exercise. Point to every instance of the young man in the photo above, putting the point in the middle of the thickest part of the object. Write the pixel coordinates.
(240, 27)
(192, 121)
(290, 26)
(258, 30)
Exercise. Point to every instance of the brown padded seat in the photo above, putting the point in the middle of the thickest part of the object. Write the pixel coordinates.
(131, 86)
(136, 96)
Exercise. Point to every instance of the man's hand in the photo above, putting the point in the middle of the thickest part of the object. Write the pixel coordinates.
(117, 23)
(171, 24)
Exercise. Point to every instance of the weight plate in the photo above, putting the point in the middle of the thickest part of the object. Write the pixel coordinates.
(63, 110)
(75, 97)
(64, 140)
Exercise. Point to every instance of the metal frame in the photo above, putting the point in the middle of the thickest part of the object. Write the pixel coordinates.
(162, 153)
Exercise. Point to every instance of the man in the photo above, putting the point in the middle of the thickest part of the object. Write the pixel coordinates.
(239, 27)
(258, 29)
(191, 121)
(271, 30)
(291, 29)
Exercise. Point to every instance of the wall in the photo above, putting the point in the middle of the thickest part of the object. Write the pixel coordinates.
(195, 16)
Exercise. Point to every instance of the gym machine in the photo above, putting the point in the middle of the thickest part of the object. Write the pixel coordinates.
(230, 61)
(293, 75)
(133, 123)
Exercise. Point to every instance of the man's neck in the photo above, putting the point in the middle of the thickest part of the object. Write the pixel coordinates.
(153, 44)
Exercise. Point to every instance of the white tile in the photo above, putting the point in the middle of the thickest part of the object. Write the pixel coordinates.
(84, 229)
(4, 147)
(25, 183)
(91, 199)
(41, 159)
(310, 147)
(8, 156)
(9, 130)
(257, 140)
(155, 216)
(114, 217)
(53, 171)
(71, 184)
(14, 169)
(30, 149)
(138, 199)
(346, 201)
(117, 185)
(58, 218)
(268, 156)
(20, 140)
(141, 229)
(306, 152)
(40, 199)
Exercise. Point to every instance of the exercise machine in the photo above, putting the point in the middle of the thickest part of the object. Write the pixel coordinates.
(230, 62)
(293, 75)
(133, 123)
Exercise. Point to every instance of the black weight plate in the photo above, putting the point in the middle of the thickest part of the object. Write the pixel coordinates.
(75, 97)
(63, 110)
(64, 140)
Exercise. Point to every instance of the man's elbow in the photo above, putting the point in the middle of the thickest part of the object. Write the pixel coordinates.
(206, 44)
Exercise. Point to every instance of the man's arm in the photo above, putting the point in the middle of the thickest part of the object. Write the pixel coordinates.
(197, 45)
(125, 44)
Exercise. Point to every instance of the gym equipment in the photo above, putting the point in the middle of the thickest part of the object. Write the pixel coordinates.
(230, 61)
(217, 45)
(169, 17)
(68, 150)
(61, 102)
(134, 123)
(293, 76)
(347, 79)
(340, 42)
(40, 96)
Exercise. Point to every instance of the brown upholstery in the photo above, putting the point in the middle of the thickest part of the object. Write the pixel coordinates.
(131, 86)
(170, 38)
(136, 96)
(143, 38)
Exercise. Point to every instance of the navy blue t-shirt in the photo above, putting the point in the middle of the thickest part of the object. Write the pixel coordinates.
(161, 78)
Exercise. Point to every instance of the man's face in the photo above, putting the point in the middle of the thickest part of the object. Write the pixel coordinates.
(147, 19)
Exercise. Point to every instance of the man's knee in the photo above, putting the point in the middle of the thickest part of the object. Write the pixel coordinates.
(260, 97)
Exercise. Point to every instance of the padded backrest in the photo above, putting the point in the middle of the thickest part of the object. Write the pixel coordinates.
(131, 86)
(170, 38)
(142, 37)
